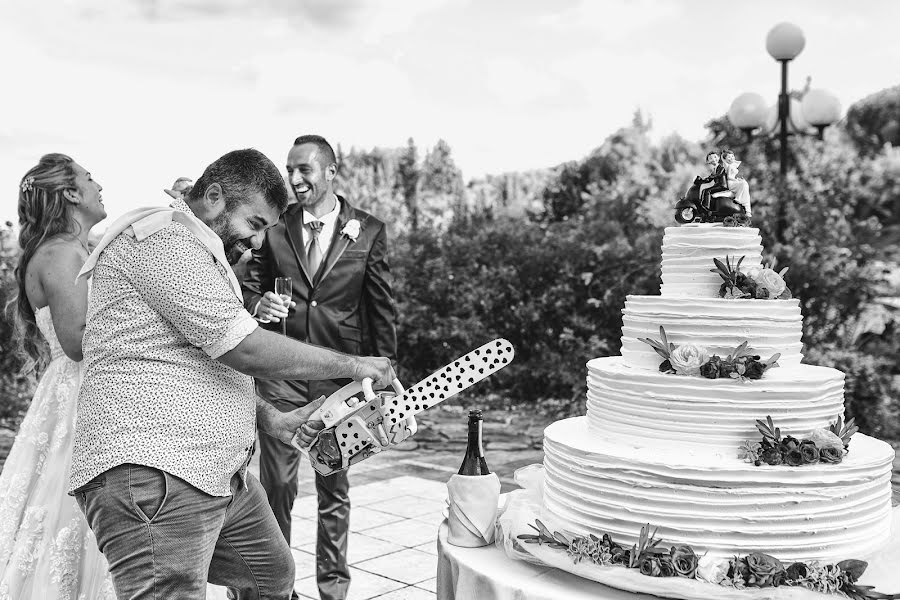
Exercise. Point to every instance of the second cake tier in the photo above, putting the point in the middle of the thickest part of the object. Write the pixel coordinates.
(691, 414)
(717, 324)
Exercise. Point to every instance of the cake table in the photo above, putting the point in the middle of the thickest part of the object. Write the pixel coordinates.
(488, 574)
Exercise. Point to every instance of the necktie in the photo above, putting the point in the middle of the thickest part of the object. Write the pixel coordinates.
(314, 253)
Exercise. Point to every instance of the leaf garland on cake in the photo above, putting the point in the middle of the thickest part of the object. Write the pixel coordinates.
(844, 430)
(768, 430)
(819, 446)
(758, 283)
(663, 348)
(754, 570)
(689, 359)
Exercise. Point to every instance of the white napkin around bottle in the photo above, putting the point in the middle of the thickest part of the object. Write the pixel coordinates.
(473, 509)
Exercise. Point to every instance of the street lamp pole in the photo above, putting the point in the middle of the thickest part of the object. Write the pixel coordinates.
(818, 108)
(784, 114)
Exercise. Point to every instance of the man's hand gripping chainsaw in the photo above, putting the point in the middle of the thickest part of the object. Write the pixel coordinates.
(357, 429)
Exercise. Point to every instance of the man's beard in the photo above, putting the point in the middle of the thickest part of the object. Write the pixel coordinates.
(234, 246)
(235, 251)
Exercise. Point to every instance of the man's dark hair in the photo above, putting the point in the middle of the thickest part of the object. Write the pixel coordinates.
(325, 149)
(240, 173)
(708, 154)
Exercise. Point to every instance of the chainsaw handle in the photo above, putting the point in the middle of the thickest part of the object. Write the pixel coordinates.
(369, 393)
(345, 393)
(367, 390)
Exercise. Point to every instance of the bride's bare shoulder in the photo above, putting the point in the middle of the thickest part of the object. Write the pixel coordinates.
(58, 256)
(59, 247)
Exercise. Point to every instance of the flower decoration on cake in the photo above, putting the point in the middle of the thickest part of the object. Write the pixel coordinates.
(689, 359)
(819, 446)
(753, 570)
(759, 283)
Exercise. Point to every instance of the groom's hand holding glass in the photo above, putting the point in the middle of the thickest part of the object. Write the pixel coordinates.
(273, 308)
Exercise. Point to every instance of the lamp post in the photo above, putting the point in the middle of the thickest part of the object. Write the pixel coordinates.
(819, 108)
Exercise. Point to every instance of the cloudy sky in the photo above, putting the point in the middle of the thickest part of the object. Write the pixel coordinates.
(142, 91)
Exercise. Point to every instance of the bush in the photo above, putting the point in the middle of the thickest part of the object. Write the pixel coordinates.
(555, 291)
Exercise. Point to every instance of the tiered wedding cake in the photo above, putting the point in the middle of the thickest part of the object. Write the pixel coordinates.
(662, 448)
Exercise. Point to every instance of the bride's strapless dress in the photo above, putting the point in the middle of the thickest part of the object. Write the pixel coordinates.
(47, 550)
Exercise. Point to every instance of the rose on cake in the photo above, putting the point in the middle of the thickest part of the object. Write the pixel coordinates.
(757, 282)
(824, 438)
(684, 560)
(820, 446)
(765, 570)
(688, 358)
(712, 569)
(771, 282)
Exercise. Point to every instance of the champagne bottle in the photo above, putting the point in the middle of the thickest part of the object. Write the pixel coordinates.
(474, 463)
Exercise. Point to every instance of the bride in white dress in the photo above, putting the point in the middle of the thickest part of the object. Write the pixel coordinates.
(47, 550)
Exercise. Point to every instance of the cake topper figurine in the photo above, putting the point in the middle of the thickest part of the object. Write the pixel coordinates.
(736, 183)
(717, 197)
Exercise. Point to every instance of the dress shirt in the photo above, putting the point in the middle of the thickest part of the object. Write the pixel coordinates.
(329, 221)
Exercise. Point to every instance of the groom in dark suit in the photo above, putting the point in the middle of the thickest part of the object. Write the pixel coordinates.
(336, 256)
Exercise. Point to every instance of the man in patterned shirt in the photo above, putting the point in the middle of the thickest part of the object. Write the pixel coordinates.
(167, 410)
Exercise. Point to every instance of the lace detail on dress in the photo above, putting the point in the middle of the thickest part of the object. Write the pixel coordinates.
(30, 533)
(65, 553)
(47, 550)
(10, 505)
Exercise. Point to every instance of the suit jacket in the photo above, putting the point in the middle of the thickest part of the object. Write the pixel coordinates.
(717, 181)
(348, 307)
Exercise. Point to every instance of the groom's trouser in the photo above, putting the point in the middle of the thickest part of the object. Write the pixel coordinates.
(164, 538)
(278, 464)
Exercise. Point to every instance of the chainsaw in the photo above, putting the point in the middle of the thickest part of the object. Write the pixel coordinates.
(356, 429)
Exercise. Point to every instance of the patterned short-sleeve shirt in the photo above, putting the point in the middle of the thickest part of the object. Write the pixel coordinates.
(161, 311)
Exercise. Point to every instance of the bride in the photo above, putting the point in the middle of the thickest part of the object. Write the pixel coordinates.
(46, 548)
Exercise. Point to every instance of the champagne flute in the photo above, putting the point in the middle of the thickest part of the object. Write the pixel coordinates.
(283, 289)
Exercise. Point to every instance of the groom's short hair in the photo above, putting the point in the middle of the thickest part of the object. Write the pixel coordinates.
(240, 173)
(321, 143)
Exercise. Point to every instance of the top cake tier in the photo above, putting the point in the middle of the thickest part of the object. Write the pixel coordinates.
(688, 252)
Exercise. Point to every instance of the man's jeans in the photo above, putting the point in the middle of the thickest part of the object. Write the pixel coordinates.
(164, 538)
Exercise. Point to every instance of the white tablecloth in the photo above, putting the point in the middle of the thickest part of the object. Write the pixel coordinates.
(488, 574)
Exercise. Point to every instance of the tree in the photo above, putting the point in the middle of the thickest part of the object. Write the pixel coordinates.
(368, 180)
(442, 191)
(408, 180)
(875, 121)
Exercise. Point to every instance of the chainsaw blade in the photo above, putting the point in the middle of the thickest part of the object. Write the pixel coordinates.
(354, 438)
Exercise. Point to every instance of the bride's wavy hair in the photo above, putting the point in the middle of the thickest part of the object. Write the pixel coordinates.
(44, 213)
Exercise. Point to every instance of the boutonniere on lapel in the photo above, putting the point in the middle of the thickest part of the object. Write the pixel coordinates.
(351, 230)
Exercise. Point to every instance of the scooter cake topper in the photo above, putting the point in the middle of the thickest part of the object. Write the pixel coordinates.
(721, 196)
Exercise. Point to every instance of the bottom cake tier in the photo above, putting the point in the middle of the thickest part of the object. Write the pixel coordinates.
(720, 505)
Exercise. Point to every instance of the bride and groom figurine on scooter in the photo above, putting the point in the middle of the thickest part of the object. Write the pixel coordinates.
(722, 196)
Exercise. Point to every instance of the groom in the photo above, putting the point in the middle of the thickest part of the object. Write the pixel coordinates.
(167, 411)
(336, 255)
